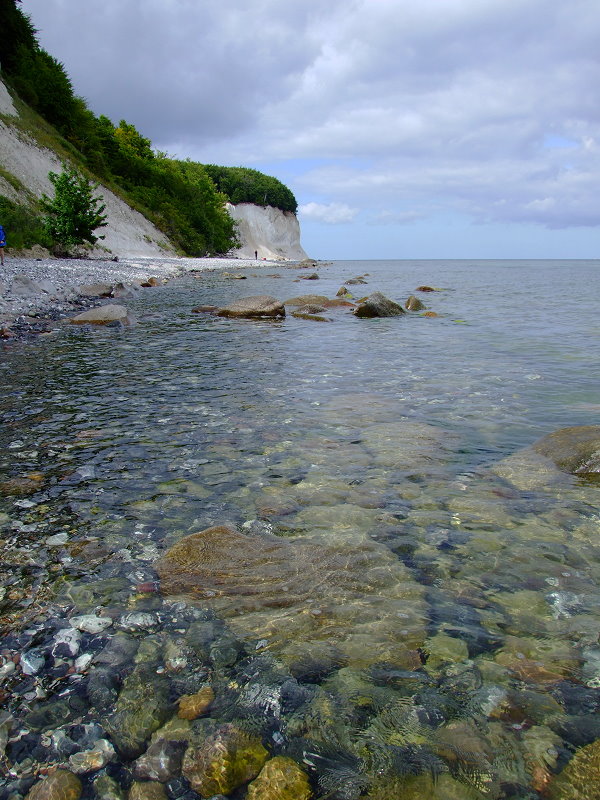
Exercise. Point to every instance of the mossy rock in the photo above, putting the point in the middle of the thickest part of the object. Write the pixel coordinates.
(580, 779)
(223, 762)
(61, 785)
(575, 450)
(280, 779)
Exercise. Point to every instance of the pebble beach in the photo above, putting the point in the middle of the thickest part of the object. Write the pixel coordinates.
(36, 289)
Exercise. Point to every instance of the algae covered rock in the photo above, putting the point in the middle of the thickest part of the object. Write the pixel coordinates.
(580, 779)
(192, 706)
(414, 304)
(61, 785)
(575, 450)
(143, 706)
(147, 790)
(224, 761)
(280, 779)
(378, 305)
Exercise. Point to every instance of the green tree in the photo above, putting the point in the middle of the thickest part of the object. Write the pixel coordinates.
(74, 214)
(132, 141)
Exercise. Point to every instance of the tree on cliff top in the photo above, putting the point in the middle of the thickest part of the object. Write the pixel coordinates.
(74, 213)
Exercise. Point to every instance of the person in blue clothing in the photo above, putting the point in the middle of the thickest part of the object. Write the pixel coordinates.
(2, 245)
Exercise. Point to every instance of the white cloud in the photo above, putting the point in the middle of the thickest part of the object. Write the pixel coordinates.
(332, 213)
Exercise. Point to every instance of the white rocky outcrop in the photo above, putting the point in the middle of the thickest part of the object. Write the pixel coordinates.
(272, 233)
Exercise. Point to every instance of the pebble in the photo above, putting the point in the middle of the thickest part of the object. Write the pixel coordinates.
(67, 641)
(89, 623)
(57, 539)
(32, 661)
(92, 760)
(138, 621)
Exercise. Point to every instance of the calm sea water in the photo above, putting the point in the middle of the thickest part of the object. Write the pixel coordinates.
(471, 627)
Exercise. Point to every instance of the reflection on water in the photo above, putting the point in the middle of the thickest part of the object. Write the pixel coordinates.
(392, 593)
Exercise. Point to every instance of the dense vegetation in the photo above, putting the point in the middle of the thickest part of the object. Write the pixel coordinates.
(184, 199)
(244, 185)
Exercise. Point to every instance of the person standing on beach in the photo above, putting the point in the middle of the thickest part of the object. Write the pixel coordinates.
(256, 255)
(2, 245)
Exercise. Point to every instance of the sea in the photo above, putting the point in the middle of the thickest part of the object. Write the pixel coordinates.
(396, 597)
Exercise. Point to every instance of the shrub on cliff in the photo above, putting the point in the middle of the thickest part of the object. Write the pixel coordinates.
(74, 213)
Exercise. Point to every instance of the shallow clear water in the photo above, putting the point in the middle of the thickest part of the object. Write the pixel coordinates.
(446, 607)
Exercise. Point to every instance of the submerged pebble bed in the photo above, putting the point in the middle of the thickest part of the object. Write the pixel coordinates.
(397, 599)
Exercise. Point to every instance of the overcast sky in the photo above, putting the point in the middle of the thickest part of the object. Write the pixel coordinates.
(405, 128)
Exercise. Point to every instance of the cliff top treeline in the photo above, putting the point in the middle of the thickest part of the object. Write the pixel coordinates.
(184, 199)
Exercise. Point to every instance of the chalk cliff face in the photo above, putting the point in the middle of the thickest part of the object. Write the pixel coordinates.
(272, 233)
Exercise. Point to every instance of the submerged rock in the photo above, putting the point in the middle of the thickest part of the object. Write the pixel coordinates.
(280, 779)
(414, 304)
(257, 306)
(147, 790)
(378, 305)
(160, 762)
(307, 589)
(61, 785)
(224, 761)
(580, 779)
(103, 315)
(192, 706)
(575, 450)
(142, 707)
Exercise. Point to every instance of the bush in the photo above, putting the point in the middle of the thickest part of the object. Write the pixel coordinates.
(74, 214)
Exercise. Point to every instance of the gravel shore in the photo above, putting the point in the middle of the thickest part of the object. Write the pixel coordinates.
(33, 289)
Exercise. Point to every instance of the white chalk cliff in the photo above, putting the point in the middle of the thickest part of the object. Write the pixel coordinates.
(270, 232)
(273, 233)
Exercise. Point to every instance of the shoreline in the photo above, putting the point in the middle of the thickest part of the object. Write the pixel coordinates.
(36, 291)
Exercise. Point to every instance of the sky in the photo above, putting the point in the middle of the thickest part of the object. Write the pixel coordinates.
(405, 128)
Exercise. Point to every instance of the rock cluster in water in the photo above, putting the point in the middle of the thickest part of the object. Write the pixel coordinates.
(344, 641)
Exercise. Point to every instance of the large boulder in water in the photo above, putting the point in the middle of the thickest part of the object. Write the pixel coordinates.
(345, 592)
(103, 315)
(256, 307)
(378, 305)
(575, 450)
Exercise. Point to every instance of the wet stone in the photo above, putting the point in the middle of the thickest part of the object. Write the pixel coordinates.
(142, 707)
(67, 643)
(61, 785)
(161, 761)
(224, 761)
(281, 778)
(580, 779)
(193, 706)
(107, 788)
(89, 623)
(92, 760)
(147, 791)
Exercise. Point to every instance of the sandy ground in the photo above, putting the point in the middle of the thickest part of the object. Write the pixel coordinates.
(37, 287)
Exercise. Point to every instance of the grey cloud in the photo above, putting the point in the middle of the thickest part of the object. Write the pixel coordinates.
(450, 104)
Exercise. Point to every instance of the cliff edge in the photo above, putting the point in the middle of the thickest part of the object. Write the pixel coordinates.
(270, 232)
